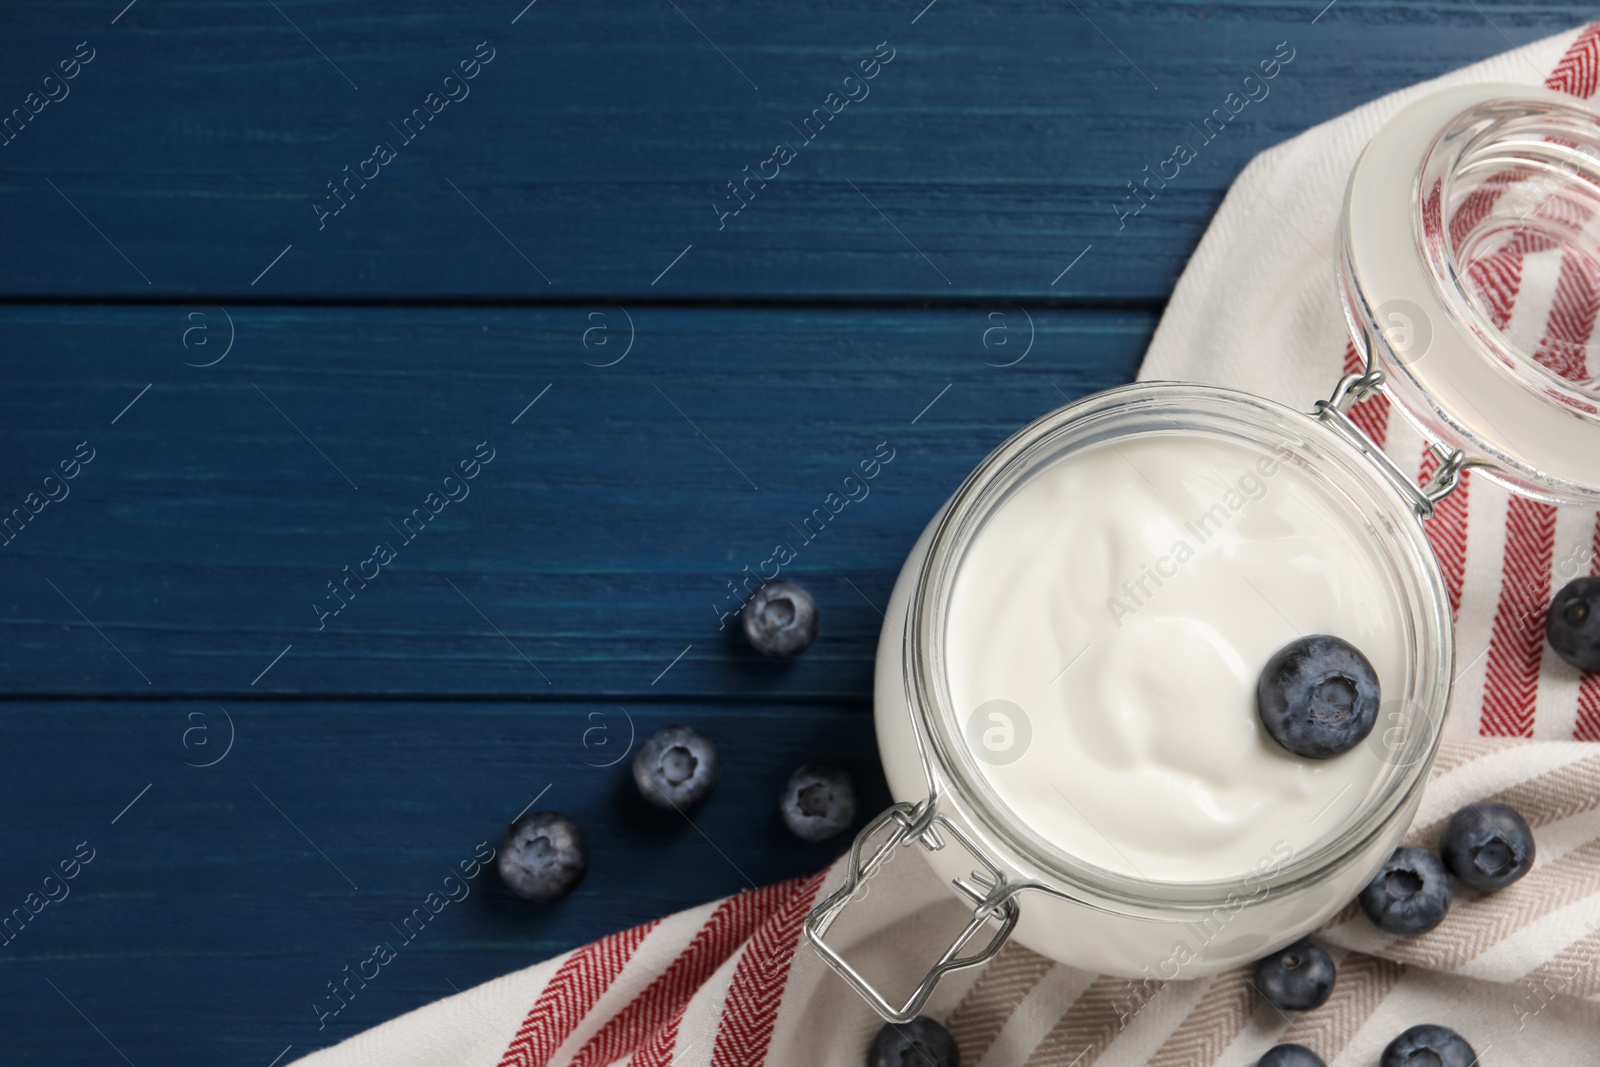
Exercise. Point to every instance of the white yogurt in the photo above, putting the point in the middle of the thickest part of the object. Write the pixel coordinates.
(1125, 599)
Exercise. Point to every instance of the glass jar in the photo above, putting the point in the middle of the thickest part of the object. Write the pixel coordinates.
(1443, 188)
(1087, 916)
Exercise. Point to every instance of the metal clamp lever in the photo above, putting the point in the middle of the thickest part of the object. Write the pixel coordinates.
(996, 901)
(1354, 388)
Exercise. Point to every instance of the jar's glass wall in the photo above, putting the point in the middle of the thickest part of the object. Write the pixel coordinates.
(1508, 222)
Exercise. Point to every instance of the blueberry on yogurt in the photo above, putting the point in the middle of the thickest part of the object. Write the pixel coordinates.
(818, 802)
(1428, 1046)
(676, 767)
(780, 619)
(1297, 978)
(1487, 846)
(1290, 1056)
(1410, 894)
(918, 1043)
(1572, 625)
(543, 856)
(1318, 696)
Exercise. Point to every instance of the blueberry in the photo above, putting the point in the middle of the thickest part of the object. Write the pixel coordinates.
(1487, 846)
(1573, 623)
(818, 802)
(676, 767)
(781, 619)
(543, 856)
(1318, 696)
(1290, 1056)
(918, 1043)
(1428, 1046)
(1297, 978)
(1410, 894)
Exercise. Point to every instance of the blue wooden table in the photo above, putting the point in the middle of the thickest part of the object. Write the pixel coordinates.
(275, 276)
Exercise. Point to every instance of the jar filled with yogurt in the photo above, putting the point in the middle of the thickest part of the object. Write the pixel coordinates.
(1066, 689)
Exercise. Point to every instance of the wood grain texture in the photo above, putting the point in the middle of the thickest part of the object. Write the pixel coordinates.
(597, 145)
(595, 547)
(216, 909)
(265, 391)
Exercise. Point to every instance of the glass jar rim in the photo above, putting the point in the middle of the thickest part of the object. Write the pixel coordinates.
(953, 775)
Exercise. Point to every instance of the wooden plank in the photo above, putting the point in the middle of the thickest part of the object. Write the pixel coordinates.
(216, 908)
(599, 544)
(194, 154)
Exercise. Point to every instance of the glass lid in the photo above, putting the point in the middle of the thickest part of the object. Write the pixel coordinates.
(1471, 263)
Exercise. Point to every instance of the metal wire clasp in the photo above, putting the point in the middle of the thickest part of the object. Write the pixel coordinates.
(1354, 388)
(993, 898)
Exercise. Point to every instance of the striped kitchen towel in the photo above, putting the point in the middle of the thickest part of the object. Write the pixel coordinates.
(731, 984)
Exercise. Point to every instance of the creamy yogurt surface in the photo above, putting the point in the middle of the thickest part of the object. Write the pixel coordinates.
(1105, 634)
